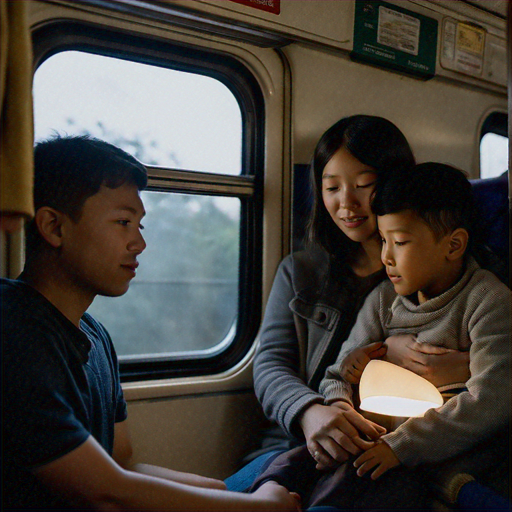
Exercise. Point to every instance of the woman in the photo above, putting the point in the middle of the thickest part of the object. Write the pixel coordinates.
(317, 294)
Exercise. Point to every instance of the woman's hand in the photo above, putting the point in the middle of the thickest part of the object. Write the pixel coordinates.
(440, 366)
(353, 365)
(333, 432)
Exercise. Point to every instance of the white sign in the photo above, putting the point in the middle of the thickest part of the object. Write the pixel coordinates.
(398, 30)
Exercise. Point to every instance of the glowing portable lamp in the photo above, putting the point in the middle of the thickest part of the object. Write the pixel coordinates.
(386, 388)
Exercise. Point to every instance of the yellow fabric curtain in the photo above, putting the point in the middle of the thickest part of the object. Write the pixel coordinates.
(17, 128)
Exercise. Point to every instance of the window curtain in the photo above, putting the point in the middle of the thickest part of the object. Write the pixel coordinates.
(17, 128)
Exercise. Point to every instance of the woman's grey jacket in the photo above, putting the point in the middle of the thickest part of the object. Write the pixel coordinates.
(311, 309)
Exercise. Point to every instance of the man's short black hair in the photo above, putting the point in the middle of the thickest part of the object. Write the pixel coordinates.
(439, 194)
(68, 170)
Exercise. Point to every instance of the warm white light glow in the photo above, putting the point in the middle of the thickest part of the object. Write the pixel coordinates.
(389, 389)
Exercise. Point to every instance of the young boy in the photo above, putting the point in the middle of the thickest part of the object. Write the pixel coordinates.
(65, 439)
(436, 290)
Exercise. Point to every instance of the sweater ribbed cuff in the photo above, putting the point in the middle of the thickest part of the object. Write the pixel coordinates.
(293, 411)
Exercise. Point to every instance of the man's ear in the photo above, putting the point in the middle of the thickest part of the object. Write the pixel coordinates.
(49, 223)
(457, 244)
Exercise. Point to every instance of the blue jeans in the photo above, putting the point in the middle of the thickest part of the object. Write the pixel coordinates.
(473, 496)
(242, 480)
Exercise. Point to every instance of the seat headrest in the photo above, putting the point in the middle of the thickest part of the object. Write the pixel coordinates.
(491, 195)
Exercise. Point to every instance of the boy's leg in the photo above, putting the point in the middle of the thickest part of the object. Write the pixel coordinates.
(488, 463)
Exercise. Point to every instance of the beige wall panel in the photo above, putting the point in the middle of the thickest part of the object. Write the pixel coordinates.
(207, 435)
(441, 121)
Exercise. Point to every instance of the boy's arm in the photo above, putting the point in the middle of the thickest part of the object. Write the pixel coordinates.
(122, 454)
(484, 408)
(368, 328)
(88, 477)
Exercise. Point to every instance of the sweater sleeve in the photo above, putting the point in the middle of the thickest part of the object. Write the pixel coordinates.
(367, 329)
(484, 408)
(277, 381)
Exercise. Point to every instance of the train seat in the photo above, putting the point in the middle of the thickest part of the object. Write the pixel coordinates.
(302, 203)
(492, 198)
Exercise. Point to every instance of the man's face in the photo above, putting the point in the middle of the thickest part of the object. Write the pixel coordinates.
(415, 260)
(99, 252)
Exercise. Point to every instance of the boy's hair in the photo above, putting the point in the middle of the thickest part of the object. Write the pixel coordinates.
(375, 142)
(68, 170)
(439, 194)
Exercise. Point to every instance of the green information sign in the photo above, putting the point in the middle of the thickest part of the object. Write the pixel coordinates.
(390, 36)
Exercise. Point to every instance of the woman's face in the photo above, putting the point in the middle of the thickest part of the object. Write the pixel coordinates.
(347, 185)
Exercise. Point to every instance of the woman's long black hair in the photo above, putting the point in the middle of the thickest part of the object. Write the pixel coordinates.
(375, 142)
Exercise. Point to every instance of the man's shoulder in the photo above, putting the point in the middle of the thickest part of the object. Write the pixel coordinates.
(11, 288)
(30, 326)
(18, 300)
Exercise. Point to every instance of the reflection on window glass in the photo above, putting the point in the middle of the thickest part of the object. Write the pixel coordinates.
(493, 155)
(185, 295)
(161, 116)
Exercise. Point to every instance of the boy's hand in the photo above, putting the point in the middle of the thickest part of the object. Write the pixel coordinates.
(380, 456)
(278, 497)
(353, 365)
(439, 365)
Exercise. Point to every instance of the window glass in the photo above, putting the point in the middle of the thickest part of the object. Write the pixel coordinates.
(493, 155)
(162, 116)
(185, 297)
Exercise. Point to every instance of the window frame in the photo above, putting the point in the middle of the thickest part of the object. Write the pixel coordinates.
(68, 35)
(497, 123)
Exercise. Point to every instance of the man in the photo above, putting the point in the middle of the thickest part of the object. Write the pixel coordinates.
(65, 439)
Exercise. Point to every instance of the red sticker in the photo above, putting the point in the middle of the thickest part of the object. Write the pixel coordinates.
(273, 6)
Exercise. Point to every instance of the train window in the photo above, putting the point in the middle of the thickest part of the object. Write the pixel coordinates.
(162, 116)
(494, 146)
(187, 310)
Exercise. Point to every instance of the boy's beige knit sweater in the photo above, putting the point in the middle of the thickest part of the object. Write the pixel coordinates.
(474, 315)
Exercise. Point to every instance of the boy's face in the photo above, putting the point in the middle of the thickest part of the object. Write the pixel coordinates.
(415, 260)
(99, 252)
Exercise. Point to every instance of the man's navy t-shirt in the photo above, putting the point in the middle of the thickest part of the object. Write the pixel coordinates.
(60, 384)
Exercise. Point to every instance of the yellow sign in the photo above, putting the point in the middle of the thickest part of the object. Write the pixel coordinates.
(470, 39)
